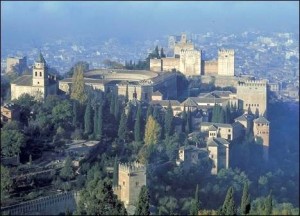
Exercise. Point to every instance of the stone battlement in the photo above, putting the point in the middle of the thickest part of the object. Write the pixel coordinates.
(132, 167)
(257, 83)
(226, 51)
(183, 51)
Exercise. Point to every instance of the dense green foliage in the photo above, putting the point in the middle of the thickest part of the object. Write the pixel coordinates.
(97, 198)
(143, 204)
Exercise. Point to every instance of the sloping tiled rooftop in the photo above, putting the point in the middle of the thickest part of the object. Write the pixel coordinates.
(189, 102)
(216, 124)
(212, 141)
(166, 102)
(25, 80)
(261, 119)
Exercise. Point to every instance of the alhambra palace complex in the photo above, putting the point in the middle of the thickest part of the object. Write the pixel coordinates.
(157, 87)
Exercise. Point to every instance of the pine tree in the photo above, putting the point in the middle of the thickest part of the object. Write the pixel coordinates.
(138, 125)
(143, 204)
(228, 207)
(245, 202)
(152, 131)
(67, 171)
(169, 121)
(88, 118)
(123, 131)
(78, 87)
(116, 172)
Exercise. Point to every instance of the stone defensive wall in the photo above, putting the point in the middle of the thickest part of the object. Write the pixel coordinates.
(210, 67)
(50, 205)
(168, 64)
(224, 81)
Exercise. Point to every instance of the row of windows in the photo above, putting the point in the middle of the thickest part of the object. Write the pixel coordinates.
(37, 73)
(262, 124)
(136, 183)
(263, 132)
(257, 105)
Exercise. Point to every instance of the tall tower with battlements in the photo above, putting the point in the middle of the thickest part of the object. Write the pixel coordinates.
(131, 179)
(226, 62)
(253, 94)
(261, 128)
(190, 62)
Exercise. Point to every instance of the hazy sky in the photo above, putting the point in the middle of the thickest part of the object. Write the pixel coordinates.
(23, 22)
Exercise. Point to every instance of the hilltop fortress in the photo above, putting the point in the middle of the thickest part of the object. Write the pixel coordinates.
(188, 60)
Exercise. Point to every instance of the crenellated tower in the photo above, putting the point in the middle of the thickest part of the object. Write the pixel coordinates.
(253, 94)
(226, 62)
(132, 176)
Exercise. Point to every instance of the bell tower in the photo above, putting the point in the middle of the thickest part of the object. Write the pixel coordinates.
(39, 72)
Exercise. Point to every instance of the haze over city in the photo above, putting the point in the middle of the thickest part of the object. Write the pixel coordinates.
(36, 22)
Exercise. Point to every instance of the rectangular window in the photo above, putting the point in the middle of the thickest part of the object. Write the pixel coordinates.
(40, 73)
(35, 73)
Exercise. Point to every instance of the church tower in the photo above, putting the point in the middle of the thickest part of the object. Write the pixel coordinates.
(39, 72)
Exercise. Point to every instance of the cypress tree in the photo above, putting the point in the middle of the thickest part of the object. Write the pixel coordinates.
(96, 113)
(122, 132)
(116, 172)
(127, 94)
(88, 118)
(149, 111)
(156, 114)
(117, 108)
(228, 118)
(138, 125)
(75, 114)
(228, 207)
(100, 122)
(184, 119)
(268, 205)
(162, 54)
(143, 204)
(256, 113)
(169, 121)
(245, 202)
(196, 203)
(188, 125)
(156, 52)
(222, 115)
(112, 104)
